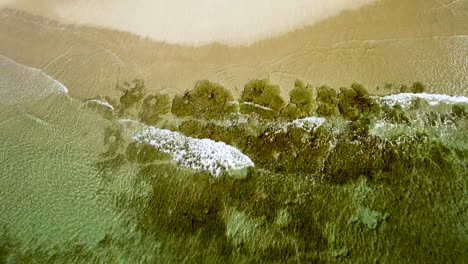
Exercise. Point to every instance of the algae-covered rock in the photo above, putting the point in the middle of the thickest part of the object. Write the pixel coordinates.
(327, 95)
(290, 112)
(418, 104)
(326, 110)
(191, 128)
(395, 115)
(233, 135)
(327, 100)
(113, 141)
(301, 96)
(369, 218)
(207, 99)
(405, 89)
(262, 93)
(256, 237)
(144, 153)
(181, 200)
(130, 101)
(355, 101)
(153, 107)
(257, 110)
(459, 111)
(418, 87)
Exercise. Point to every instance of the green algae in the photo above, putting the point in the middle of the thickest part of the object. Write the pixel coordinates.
(459, 111)
(133, 93)
(207, 99)
(153, 107)
(301, 96)
(144, 153)
(264, 94)
(191, 128)
(355, 101)
(340, 192)
(290, 112)
(327, 100)
(369, 218)
(416, 87)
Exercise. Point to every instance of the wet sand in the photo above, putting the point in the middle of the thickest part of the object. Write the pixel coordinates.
(389, 41)
(241, 22)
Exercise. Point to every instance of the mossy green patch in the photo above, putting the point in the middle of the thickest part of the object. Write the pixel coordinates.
(263, 93)
(301, 96)
(290, 112)
(258, 111)
(207, 99)
(327, 100)
(336, 193)
(355, 101)
(191, 128)
(418, 87)
(144, 153)
(459, 111)
(369, 218)
(133, 93)
(254, 236)
(153, 107)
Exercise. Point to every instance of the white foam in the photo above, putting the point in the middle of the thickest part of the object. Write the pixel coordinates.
(20, 83)
(258, 106)
(405, 99)
(193, 153)
(106, 104)
(307, 123)
(61, 88)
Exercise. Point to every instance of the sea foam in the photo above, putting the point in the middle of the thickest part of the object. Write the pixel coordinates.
(193, 153)
(103, 103)
(405, 99)
(20, 83)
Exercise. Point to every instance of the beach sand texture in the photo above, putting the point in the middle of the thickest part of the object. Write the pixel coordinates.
(386, 41)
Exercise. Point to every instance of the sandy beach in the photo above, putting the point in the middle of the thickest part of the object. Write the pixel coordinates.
(386, 41)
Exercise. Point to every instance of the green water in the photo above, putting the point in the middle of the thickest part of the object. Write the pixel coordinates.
(50, 190)
(356, 186)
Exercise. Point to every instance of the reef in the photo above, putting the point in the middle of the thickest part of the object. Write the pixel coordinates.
(332, 175)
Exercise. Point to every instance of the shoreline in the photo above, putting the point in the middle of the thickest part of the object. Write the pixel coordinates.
(92, 61)
(231, 24)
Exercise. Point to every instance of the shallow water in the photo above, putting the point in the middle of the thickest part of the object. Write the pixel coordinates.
(77, 187)
(48, 181)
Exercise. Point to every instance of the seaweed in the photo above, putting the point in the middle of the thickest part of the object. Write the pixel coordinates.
(301, 96)
(327, 100)
(459, 111)
(133, 93)
(418, 87)
(262, 93)
(290, 112)
(191, 128)
(208, 100)
(356, 101)
(336, 193)
(144, 153)
(153, 107)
